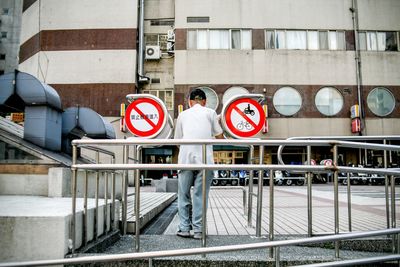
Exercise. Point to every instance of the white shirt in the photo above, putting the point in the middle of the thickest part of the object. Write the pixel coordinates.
(197, 122)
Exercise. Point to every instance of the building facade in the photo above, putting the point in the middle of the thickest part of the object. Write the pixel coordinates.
(312, 60)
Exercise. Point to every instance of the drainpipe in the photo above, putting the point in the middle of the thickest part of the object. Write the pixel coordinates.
(354, 12)
(141, 77)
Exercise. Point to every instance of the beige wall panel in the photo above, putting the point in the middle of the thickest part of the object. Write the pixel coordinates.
(30, 22)
(156, 9)
(88, 14)
(380, 68)
(289, 127)
(264, 67)
(31, 66)
(97, 66)
(387, 126)
(296, 14)
(379, 15)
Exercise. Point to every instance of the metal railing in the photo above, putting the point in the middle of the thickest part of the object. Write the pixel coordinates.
(250, 167)
(221, 249)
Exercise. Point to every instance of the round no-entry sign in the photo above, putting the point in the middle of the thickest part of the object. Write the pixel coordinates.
(244, 117)
(145, 117)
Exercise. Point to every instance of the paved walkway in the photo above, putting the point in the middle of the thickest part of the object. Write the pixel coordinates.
(225, 215)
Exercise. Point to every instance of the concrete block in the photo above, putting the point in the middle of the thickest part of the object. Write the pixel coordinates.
(23, 184)
(59, 181)
(166, 185)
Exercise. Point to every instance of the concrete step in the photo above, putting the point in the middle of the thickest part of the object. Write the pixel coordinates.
(35, 227)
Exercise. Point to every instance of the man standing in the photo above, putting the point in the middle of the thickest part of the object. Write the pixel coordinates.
(197, 122)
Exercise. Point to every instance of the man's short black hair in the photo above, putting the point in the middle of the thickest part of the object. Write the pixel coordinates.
(197, 94)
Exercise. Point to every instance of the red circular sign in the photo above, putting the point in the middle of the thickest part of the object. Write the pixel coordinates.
(245, 117)
(144, 117)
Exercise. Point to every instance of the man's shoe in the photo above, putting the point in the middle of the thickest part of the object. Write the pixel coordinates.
(198, 235)
(185, 234)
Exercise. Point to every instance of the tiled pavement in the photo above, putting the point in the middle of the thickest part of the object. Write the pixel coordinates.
(225, 215)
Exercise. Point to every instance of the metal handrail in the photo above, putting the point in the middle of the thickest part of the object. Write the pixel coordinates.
(204, 166)
(204, 250)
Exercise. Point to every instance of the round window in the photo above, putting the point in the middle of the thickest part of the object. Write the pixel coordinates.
(287, 101)
(212, 97)
(381, 101)
(233, 91)
(329, 101)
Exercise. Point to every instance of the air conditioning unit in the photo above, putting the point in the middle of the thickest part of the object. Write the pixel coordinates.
(153, 52)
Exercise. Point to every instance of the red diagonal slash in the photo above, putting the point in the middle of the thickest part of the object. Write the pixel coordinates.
(144, 117)
(245, 117)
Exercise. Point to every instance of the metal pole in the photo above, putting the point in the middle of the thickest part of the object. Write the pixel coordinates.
(96, 213)
(385, 164)
(113, 196)
(105, 201)
(125, 191)
(85, 207)
(349, 201)
(271, 210)
(309, 193)
(393, 202)
(204, 195)
(277, 256)
(137, 201)
(250, 196)
(73, 187)
(336, 198)
(259, 194)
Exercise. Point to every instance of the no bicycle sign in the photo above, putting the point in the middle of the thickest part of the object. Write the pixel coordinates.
(145, 117)
(244, 117)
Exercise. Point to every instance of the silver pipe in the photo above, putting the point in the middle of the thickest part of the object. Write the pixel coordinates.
(136, 152)
(125, 190)
(208, 250)
(393, 202)
(336, 198)
(73, 187)
(204, 198)
(113, 196)
(271, 210)
(85, 206)
(250, 185)
(277, 257)
(309, 193)
(349, 202)
(385, 165)
(105, 201)
(142, 77)
(96, 193)
(259, 193)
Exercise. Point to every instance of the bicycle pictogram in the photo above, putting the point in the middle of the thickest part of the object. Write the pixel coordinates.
(244, 125)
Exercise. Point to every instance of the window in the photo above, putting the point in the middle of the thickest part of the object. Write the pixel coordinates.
(212, 97)
(6, 11)
(167, 96)
(233, 91)
(2, 56)
(305, 39)
(3, 34)
(329, 101)
(219, 39)
(378, 41)
(287, 101)
(381, 101)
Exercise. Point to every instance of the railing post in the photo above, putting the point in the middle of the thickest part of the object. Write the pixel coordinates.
(137, 200)
(259, 194)
(309, 193)
(393, 202)
(73, 188)
(271, 210)
(336, 197)
(250, 185)
(125, 191)
(96, 193)
(277, 256)
(385, 165)
(204, 199)
(113, 196)
(105, 201)
(85, 206)
(349, 201)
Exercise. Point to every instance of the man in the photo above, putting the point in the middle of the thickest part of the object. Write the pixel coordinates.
(197, 122)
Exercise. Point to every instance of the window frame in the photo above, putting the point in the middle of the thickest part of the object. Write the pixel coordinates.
(230, 47)
(390, 93)
(277, 109)
(337, 91)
